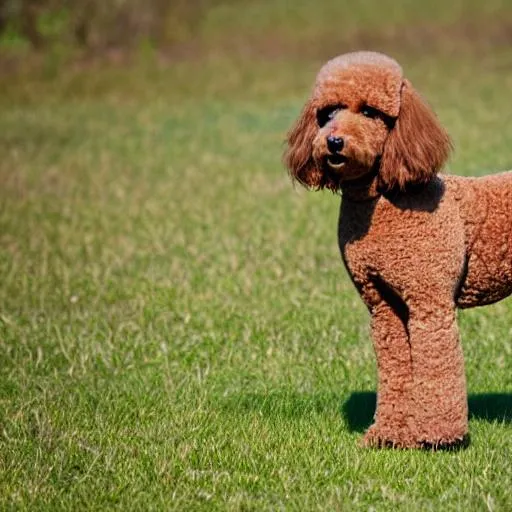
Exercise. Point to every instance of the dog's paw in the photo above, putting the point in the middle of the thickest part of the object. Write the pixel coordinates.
(402, 437)
(446, 444)
(442, 434)
(387, 437)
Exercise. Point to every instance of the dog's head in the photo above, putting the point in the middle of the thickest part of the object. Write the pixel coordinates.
(364, 117)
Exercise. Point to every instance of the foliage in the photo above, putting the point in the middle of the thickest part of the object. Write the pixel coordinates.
(97, 24)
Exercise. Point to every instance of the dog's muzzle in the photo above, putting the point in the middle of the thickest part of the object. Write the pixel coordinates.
(336, 161)
(335, 145)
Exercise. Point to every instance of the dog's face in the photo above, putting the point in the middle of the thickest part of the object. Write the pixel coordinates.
(356, 105)
(364, 117)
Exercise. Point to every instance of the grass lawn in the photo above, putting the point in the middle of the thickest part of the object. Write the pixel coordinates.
(176, 328)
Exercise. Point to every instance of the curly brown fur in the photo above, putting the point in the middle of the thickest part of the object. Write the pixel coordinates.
(417, 146)
(416, 245)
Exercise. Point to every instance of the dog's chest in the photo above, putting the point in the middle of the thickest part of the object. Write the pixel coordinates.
(368, 231)
(399, 244)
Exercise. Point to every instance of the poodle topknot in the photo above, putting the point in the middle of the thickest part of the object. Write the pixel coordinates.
(416, 244)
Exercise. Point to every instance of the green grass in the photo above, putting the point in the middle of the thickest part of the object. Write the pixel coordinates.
(176, 329)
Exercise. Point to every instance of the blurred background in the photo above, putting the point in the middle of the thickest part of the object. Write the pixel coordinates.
(247, 45)
(185, 29)
(157, 50)
(97, 25)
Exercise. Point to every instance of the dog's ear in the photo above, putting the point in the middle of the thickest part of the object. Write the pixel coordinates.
(298, 156)
(417, 146)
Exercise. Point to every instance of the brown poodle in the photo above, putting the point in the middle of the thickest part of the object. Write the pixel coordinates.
(416, 245)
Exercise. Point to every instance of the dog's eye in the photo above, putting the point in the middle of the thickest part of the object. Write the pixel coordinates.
(326, 114)
(371, 112)
(374, 113)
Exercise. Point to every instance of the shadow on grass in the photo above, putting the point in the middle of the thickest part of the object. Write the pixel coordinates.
(358, 410)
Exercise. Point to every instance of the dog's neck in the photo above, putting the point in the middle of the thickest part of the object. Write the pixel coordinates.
(361, 189)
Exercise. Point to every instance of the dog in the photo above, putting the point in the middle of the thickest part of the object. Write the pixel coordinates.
(417, 244)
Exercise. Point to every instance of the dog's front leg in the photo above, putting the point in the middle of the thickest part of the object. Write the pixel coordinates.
(394, 421)
(439, 385)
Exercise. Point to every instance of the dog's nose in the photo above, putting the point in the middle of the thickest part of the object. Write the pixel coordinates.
(334, 144)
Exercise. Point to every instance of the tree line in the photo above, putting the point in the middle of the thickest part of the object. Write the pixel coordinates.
(101, 23)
